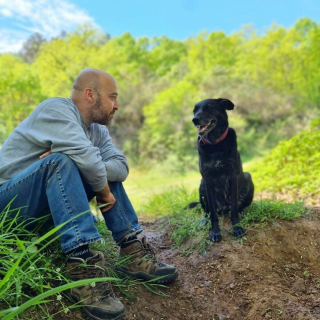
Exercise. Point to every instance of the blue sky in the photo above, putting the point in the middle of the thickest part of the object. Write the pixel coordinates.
(178, 19)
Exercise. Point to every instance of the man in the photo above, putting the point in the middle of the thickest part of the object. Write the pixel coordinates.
(56, 160)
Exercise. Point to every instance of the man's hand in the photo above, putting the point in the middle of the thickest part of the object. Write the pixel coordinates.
(105, 196)
(45, 154)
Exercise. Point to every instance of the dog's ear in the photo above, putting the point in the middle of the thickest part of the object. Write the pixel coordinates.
(226, 104)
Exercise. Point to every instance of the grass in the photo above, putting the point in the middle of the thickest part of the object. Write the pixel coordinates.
(32, 273)
(26, 266)
(183, 225)
(33, 279)
(143, 186)
(266, 211)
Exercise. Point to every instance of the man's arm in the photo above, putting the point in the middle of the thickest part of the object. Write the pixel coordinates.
(115, 162)
(57, 127)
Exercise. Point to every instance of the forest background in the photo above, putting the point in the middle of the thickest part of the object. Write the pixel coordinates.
(273, 80)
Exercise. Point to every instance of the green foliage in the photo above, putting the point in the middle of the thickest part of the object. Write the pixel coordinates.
(293, 166)
(20, 90)
(273, 80)
(60, 60)
(209, 50)
(165, 53)
(167, 127)
(290, 57)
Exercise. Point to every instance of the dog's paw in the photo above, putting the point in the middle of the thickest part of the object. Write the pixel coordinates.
(204, 221)
(239, 232)
(215, 236)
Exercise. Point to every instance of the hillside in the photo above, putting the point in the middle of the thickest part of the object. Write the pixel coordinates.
(293, 167)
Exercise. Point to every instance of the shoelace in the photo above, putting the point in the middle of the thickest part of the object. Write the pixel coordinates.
(104, 287)
(149, 252)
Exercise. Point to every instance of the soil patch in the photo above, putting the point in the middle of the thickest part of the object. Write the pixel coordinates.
(273, 274)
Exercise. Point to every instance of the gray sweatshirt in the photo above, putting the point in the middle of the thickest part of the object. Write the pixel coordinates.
(56, 125)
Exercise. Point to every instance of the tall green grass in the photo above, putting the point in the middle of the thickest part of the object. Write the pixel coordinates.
(33, 275)
(32, 272)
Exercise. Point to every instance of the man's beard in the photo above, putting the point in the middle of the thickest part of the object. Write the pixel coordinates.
(97, 116)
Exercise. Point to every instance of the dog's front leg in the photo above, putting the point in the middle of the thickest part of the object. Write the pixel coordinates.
(204, 204)
(215, 235)
(237, 230)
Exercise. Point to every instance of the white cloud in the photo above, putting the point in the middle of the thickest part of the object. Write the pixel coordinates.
(11, 40)
(5, 12)
(48, 17)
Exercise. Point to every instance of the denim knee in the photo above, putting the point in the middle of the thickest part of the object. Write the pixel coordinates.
(60, 158)
(62, 161)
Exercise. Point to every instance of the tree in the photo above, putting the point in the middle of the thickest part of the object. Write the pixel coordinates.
(31, 47)
(20, 92)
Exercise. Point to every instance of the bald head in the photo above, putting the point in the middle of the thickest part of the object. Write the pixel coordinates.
(92, 90)
(92, 78)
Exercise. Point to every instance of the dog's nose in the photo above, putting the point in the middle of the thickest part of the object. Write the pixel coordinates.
(196, 121)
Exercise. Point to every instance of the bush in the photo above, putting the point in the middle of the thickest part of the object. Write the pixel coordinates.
(293, 166)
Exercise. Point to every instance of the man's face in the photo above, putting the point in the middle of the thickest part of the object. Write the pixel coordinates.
(106, 103)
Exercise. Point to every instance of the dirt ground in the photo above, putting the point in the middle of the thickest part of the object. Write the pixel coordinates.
(273, 274)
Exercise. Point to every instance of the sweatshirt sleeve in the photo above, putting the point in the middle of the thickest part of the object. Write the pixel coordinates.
(57, 127)
(115, 162)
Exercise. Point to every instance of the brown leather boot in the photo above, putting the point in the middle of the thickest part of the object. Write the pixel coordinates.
(138, 260)
(98, 299)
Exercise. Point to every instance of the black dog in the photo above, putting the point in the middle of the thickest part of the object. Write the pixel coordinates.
(224, 186)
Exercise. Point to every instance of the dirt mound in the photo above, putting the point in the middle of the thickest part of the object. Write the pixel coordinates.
(273, 274)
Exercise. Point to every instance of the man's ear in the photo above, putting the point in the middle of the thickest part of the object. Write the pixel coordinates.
(89, 94)
(226, 104)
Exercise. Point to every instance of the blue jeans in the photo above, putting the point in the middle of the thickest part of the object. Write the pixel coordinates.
(54, 185)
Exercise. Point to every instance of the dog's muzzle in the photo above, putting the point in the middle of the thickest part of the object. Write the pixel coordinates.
(205, 128)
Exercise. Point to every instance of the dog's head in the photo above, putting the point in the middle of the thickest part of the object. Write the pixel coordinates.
(210, 116)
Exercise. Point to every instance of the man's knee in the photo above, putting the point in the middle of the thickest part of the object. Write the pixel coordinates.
(60, 162)
(60, 159)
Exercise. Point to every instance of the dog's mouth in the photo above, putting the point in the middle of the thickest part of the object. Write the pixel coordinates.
(206, 128)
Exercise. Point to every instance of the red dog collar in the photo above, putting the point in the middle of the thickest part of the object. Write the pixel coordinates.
(223, 136)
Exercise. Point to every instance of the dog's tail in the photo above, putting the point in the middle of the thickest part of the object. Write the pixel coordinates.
(192, 205)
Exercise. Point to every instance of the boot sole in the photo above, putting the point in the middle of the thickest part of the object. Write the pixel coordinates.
(120, 316)
(144, 276)
(91, 316)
